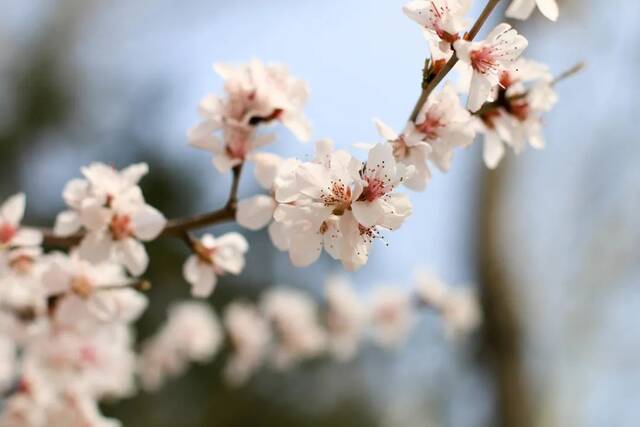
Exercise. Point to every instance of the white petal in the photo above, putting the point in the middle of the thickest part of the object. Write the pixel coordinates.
(267, 165)
(200, 276)
(520, 9)
(93, 215)
(549, 8)
(279, 235)
(305, 248)
(233, 240)
(479, 91)
(96, 247)
(134, 173)
(134, 256)
(493, 150)
(67, 223)
(148, 223)
(368, 213)
(12, 210)
(385, 131)
(256, 212)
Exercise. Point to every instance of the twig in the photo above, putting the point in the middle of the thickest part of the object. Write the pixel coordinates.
(433, 83)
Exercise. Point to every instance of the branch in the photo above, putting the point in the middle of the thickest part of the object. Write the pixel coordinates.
(176, 227)
(433, 82)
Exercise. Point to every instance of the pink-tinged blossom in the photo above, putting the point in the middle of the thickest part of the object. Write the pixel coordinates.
(522, 9)
(12, 234)
(20, 279)
(108, 204)
(440, 127)
(524, 95)
(297, 332)
(88, 293)
(256, 94)
(488, 59)
(458, 307)
(443, 19)
(191, 333)
(250, 337)
(214, 257)
(346, 318)
(338, 203)
(391, 314)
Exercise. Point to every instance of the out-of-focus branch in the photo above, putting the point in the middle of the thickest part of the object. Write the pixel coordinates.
(434, 81)
(502, 331)
(175, 227)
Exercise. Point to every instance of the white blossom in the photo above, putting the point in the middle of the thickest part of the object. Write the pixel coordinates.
(459, 307)
(392, 316)
(338, 203)
(443, 19)
(256, 94)
(191, 334)
(488, 59)
(110, 206)
(250, 337)
(212, 258)
(294, 317)
(346, 318)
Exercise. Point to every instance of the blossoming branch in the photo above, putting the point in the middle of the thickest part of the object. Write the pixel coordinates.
(66, 317)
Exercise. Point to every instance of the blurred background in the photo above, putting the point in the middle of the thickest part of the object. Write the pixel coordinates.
(552, 239)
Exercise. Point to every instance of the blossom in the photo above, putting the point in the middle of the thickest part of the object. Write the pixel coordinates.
(295, 321)
(191, 333)
(250, 338)
(212, 258)
(84, 290)
(488, 59)
(392, 316)
(522, 9)
(524, 95)
(346, 318)
(338, 203)
(459, 307)
(444, 19)
(11, 233)
(441, 126)
(256, 94)
(110, 206)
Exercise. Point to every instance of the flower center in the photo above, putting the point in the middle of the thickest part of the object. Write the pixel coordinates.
(238, 142)
(400, 148)
(375, 189)
(120, 227)
(337, 196)
(81, 286)
(483, 60)
(520, 109)
(7, 233)
(22, 264)
(430, 126)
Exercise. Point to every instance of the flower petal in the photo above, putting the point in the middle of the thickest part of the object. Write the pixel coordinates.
(256, 212)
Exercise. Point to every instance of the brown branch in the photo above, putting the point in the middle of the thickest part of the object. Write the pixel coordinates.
(435, 81)
(176, 227)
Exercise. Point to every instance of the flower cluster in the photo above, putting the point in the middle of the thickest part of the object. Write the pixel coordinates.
(256, 94)
(287, 327)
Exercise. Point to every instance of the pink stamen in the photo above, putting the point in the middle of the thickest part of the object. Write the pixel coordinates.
(375, 189)
(483, 60)
(430, 126)
(121, 227)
